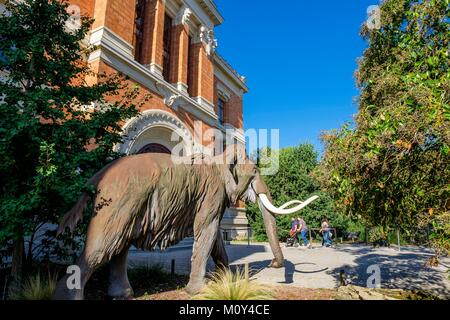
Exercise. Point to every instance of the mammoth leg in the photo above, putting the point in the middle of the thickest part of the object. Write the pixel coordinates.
(71, 286)
(103, 241)
(219, 254)
(119, 286)
(205, 236)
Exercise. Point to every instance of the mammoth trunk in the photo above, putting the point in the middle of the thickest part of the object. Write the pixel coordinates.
(272, 234)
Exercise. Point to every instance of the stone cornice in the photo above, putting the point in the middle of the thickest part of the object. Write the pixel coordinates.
(235, 132)
(229, 72)
(211, 8)
(232, 131)
(205, 12)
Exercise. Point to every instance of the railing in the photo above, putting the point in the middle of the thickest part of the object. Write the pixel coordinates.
(227, 232)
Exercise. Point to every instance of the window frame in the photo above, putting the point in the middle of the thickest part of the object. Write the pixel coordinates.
(221, 106)
(140, 16)
(167, 46)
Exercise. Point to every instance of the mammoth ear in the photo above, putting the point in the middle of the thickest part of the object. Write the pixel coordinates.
(243, 178)
(240, 169)
(235, 154)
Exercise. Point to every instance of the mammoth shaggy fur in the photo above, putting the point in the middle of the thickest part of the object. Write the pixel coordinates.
(146, 199)
(150, 202)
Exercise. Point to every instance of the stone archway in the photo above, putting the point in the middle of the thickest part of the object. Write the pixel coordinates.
(156, 127)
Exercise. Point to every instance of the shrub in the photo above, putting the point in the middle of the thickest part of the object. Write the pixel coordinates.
(390, 166)
(377, 234)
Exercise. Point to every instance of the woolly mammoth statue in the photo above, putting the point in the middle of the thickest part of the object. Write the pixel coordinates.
(151, 200)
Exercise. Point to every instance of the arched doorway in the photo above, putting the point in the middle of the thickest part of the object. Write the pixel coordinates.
(154, 148)
(156, 131)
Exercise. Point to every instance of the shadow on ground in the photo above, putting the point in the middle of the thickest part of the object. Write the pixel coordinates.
(405, 271)
(289, 269)
(235, 255)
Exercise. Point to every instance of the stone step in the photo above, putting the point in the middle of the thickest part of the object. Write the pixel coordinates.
(185, 244)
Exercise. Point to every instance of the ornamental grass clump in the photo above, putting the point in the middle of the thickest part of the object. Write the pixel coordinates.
(226, 285)
(37, 287)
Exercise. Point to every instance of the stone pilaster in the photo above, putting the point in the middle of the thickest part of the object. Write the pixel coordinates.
(152, 54)
(117, 16)
(180, 50)
(202, 70)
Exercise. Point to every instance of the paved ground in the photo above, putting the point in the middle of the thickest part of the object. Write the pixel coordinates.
(320, 267)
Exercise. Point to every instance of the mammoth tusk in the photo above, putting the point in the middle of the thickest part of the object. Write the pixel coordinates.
(290, 203)
(282, 210)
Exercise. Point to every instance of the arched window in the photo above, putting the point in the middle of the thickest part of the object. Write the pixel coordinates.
(154, 148)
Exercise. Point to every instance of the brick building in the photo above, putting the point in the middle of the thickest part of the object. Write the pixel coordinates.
(168, 48)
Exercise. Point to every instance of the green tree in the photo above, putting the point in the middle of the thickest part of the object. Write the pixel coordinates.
(56, 130)
(392, 167)
(294, 181)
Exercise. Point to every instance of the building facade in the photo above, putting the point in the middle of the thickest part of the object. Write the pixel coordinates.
(168, 48)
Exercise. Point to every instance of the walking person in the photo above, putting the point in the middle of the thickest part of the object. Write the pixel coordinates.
(302, 232)
(326, 233)
(292, 233)
(293, 230)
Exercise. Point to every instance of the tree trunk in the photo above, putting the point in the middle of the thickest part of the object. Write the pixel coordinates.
(28, 259)
(18, 256)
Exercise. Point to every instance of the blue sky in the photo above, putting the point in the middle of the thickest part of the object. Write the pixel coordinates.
(299, 58)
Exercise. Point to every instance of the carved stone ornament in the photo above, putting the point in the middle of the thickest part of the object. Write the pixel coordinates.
(182, 16)
(171, 99)
(209, 42)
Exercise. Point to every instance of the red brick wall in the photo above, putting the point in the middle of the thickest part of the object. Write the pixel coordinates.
(179, 54)
(116, 15)
(153, 33)
(202, 73)
(194, 87)
(233, 107)
(86, 7)
(207, 77)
